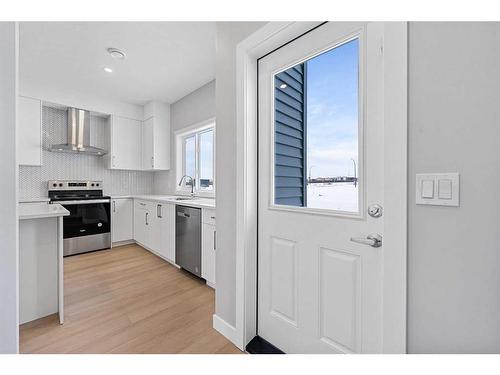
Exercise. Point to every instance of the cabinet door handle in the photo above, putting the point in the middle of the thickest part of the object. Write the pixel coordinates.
(152, 161)
(215, 240)
(147, 218)
(113, 160)
(114, 206)
(158, 211)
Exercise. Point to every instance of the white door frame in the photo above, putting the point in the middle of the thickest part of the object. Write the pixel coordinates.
(263, 41)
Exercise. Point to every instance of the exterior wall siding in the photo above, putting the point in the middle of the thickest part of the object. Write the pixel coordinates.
(290, 137)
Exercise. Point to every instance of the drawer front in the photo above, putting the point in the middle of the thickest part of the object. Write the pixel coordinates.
(145, 205)
(208, 216)
(140, 205)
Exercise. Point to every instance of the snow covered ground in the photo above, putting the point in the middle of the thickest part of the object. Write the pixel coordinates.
(338, 196)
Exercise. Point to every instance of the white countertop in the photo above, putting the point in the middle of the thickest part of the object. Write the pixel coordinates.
(33, 200)
(200, 202)
(39, 210)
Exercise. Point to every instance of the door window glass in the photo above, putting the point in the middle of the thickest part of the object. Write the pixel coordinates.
(316, 137)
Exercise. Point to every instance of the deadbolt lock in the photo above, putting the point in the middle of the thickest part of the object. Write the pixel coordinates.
(375, 210)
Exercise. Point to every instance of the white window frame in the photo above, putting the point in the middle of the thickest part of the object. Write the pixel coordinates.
(180, 135)
(360, 213)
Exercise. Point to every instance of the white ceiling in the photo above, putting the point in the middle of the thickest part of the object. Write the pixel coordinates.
(164, 60)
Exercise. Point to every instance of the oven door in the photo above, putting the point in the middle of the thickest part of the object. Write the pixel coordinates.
(88, 226)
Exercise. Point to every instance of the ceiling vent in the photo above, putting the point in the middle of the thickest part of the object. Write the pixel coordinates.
(116, 53)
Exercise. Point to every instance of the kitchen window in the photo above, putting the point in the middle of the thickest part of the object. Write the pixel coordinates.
(196, 158)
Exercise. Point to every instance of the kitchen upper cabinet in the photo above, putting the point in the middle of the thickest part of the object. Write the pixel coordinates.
(208, 246)
(29, 131)
(141, 145)
(148, 157)
(163, 231)
(122, 219)
(125, 146)
(156, 137)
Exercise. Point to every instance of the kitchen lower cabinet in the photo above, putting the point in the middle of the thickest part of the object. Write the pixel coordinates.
(154, 227)
(163, 231)
(122, 219)
(208, 246)
(142, 222)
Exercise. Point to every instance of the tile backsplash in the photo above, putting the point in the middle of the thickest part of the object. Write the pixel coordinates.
(65, 166)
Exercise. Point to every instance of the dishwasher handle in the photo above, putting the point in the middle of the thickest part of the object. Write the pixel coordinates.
(183, 214)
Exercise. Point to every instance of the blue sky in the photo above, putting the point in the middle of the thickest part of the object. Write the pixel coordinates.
(332, 116)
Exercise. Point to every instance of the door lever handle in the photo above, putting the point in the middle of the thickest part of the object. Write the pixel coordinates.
(373, 240)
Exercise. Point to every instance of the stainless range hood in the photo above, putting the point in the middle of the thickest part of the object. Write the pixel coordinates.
(78, 135)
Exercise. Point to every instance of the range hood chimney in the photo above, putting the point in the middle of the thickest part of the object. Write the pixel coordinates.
(78, 134)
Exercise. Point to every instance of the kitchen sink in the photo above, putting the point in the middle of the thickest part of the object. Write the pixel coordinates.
(184, 198)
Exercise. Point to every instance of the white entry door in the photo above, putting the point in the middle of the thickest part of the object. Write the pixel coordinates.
(321, 191)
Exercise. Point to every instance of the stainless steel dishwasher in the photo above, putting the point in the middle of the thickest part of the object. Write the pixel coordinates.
(188, 238)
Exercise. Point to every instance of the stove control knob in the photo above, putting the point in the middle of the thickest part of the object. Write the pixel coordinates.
(91, 184)
(54, 185)
(60, 185)
(96, 184)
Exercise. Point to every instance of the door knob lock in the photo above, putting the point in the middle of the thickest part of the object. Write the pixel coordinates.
(373, 240)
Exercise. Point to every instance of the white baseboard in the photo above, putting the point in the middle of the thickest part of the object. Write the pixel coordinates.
(159, 255)
(122, 243)
(226, 329)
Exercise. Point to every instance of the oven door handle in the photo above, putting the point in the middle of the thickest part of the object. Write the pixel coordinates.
(88, 201)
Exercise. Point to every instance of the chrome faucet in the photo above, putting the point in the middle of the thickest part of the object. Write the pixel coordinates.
(192, 183)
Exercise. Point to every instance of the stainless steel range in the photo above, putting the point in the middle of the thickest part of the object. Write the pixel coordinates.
(88, 226)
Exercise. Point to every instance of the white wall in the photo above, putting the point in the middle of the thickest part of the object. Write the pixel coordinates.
(454, 126)
(229, 34)
(9, 333)
(77, 99)
(191, 109)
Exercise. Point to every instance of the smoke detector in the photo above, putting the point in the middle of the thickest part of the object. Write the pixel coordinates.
(116, 53)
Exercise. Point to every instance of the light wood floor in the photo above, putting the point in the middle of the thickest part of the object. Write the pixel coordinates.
(127, 300)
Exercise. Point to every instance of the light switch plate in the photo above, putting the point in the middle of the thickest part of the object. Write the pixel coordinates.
(445, 189)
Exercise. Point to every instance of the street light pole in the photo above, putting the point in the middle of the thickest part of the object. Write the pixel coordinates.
(355, 178)
(310, 169)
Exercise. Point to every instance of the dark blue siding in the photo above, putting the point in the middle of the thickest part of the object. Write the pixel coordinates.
(290, 137)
